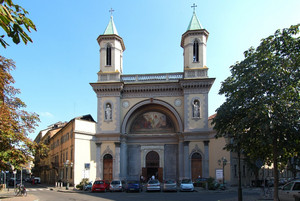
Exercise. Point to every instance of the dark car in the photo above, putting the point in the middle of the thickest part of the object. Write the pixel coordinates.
(11, 182)
(100, 185)
(200, 182)
(133, 185)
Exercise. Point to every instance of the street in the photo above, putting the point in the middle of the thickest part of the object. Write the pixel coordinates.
(42, 193)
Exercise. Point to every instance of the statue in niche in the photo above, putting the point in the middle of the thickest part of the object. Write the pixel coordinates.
(108, 115)
(196, 109)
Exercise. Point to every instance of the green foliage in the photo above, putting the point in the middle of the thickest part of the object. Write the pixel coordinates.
(82, 183)
(15, 147)
(14, 22)
(212, 184)
(262, 109)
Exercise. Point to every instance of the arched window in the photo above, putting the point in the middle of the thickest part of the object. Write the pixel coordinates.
(108, 55)
(196, 51)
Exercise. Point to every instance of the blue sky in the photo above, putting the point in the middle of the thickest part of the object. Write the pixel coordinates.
(54, 72)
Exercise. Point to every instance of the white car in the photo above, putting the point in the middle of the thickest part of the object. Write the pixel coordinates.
(186, 185)
(288, 191)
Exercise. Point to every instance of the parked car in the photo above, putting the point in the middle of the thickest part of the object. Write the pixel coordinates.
(133, 186)
(100, 185)
(153, 185)
(88, 187)
(37, 180)
(28, 179)
(186, 185)
(200, 182)
(12, 182)
(117, 185)
(289, 190)
(170, 185)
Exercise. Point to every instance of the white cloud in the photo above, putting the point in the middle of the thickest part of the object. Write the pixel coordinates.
(46, 114)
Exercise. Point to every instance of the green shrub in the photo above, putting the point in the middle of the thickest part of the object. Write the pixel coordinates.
(212, 184)
(82, 184)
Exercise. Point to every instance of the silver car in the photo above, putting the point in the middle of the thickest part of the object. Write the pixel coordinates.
(153, 185)
(170, 185)
(117, 185)
(288, 191)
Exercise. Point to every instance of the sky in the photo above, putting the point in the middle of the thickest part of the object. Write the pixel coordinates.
(54, 72)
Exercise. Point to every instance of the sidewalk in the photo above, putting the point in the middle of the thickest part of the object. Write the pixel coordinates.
(9, 196)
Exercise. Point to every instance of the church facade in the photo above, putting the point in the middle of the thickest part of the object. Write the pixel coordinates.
(154, 124)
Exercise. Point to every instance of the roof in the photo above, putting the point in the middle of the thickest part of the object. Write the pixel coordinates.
(111, 28)
(212, 116)
(194, 23)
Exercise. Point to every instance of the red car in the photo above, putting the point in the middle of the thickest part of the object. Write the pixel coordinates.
(100, 185)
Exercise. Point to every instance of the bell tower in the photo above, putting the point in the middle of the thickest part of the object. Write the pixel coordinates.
(193, 42)
(111, 53)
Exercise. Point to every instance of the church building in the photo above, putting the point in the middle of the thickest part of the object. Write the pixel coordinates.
(154, 124)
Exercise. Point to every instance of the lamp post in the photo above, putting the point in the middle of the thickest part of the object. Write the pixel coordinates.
(67, 164)
(223, 162)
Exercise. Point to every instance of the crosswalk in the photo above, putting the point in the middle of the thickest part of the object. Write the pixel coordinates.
(37, 189)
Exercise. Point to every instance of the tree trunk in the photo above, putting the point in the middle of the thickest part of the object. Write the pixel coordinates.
(240, 193)
(275, 161)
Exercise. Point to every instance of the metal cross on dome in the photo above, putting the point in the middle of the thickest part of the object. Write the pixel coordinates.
(111, 11)
(194, 6)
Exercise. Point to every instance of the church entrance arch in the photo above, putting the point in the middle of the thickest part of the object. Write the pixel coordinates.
(107, 167)
(196, 164)
(152, 164)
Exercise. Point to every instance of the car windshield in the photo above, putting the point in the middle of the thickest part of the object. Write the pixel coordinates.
(115, 182)
(170, 182)
(99, 182)
(186, 181)
(153, 182)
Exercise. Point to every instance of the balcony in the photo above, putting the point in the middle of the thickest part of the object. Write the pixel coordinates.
(193, 73)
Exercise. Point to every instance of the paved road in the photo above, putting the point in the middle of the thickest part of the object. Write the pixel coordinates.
(38, 193)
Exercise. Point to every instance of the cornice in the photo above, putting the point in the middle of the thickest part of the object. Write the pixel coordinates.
(111, 37)
(193, 32)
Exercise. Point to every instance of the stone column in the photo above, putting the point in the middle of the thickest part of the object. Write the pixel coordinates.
(180, 159)
(187, 169)
(123, 159)
(98, 161)
(116, 175)
(206, 159)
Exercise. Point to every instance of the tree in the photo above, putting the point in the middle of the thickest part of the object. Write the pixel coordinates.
(14, 22)
(15, 123)
(262, 109)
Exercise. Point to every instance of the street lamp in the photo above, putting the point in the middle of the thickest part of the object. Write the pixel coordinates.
(67, 164)
(223, 162)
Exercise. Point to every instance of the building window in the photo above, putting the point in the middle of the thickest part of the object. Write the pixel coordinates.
(66, 155)
(71, 155)
(71, 175)
(196, 51)
(108, 55)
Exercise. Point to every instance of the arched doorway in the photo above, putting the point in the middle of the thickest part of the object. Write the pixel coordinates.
(196, 165)
(107, 167)
(152, 164)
